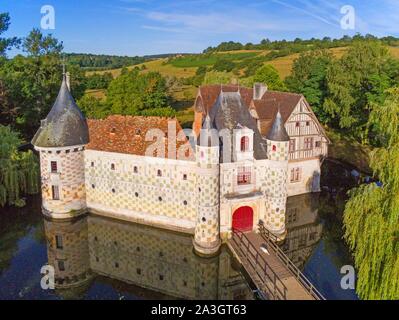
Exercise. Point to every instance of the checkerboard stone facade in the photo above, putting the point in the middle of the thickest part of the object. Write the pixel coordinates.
(159, 189)
(206, 236)
(69, 178)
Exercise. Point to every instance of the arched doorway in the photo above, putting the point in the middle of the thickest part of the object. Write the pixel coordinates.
(243, 219)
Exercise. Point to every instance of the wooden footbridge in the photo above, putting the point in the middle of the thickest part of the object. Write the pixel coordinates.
(273, 273)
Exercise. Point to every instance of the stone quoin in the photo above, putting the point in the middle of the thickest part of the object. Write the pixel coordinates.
(272, 147)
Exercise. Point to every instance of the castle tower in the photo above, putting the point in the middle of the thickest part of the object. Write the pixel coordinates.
(68, 253)
(61, 140)
(207, 237)
(276, 196)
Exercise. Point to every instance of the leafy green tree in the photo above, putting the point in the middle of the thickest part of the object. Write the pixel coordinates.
(269, 76)
(357, 80)
(6, 43)
(133, 93)
(19, 171)
(223, 65)
(371, 214)
(93, 108)
(30, 83)
(308, 77)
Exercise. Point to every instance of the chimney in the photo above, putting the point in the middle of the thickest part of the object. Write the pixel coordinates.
(68, 81)
(259, 90)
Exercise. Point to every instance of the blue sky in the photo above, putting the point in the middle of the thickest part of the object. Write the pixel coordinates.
(138, 27)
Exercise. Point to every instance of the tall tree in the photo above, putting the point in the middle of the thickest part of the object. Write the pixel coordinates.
(354, 82)
(269, 75)
(308, 77)
(133, 93)
(6, 43)
(31, 82)
(371, 214)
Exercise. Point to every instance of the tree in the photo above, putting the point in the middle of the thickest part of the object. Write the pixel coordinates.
(133, 93)
(371, 214)
(223, 65)
(31, 83)
(354, 82)
(19, 171)
(214, 77)
(6, 43)
(308, 77)
(269, 76)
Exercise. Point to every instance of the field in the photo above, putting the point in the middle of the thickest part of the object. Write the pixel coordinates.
(186, 66)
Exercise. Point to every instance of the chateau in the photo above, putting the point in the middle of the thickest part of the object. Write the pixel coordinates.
(250, 149)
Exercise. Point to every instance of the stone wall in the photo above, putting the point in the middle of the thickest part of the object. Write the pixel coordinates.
(310, 177)
(129, 186)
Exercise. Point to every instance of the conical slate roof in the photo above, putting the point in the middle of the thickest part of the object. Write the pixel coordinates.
(278, 132)
(208, 136)
(65, 125)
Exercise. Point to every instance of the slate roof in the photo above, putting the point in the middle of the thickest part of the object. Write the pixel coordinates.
(65, 125)
(266, 107)
(126, 134)
(231, 112)
(278, 132)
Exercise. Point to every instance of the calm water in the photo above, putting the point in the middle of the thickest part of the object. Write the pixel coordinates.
(99, 258)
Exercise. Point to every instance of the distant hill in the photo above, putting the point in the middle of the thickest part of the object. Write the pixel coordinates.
(93, 62)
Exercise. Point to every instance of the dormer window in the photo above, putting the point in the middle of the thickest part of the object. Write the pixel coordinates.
(112, 131)
(138, 132)
(244, 144)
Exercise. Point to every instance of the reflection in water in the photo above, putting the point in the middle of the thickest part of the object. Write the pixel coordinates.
(158, 260)
(304, 228)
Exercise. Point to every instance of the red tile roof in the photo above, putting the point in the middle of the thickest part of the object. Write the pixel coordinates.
(126, 134)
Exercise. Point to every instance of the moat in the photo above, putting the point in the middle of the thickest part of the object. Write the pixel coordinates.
(109, 259)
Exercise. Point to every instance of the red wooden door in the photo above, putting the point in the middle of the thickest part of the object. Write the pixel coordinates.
(243, 219)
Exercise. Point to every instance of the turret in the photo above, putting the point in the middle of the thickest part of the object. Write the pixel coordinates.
(276, 196)
(207, 236)
(61, 140)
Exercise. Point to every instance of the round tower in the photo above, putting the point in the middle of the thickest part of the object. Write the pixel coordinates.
(207, 237)
(276, 195)
(61, 141)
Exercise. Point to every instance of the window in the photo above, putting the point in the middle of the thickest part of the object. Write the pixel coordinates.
(93, 186)
(135, 169)
(58, 242)
(61, 265)
(185, 202)
(113, 190)
(138, 270)
(184, 176)
(112, 166)
(159, 173)
(54, 166)
(116, 265)
(292, 145)
(136, 194)
(244, 144)
(55, 192)
(308, 143)
(318, 144)
(274, 148)
(160, 198)
(92, 164)
(295, 175)
(202, 154)
(113, 131)
(307, 123)
(138, 132)
(244, 176)
(297, 124)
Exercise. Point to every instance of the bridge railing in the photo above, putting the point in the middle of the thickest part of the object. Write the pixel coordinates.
(271, 240)
(275, 287)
